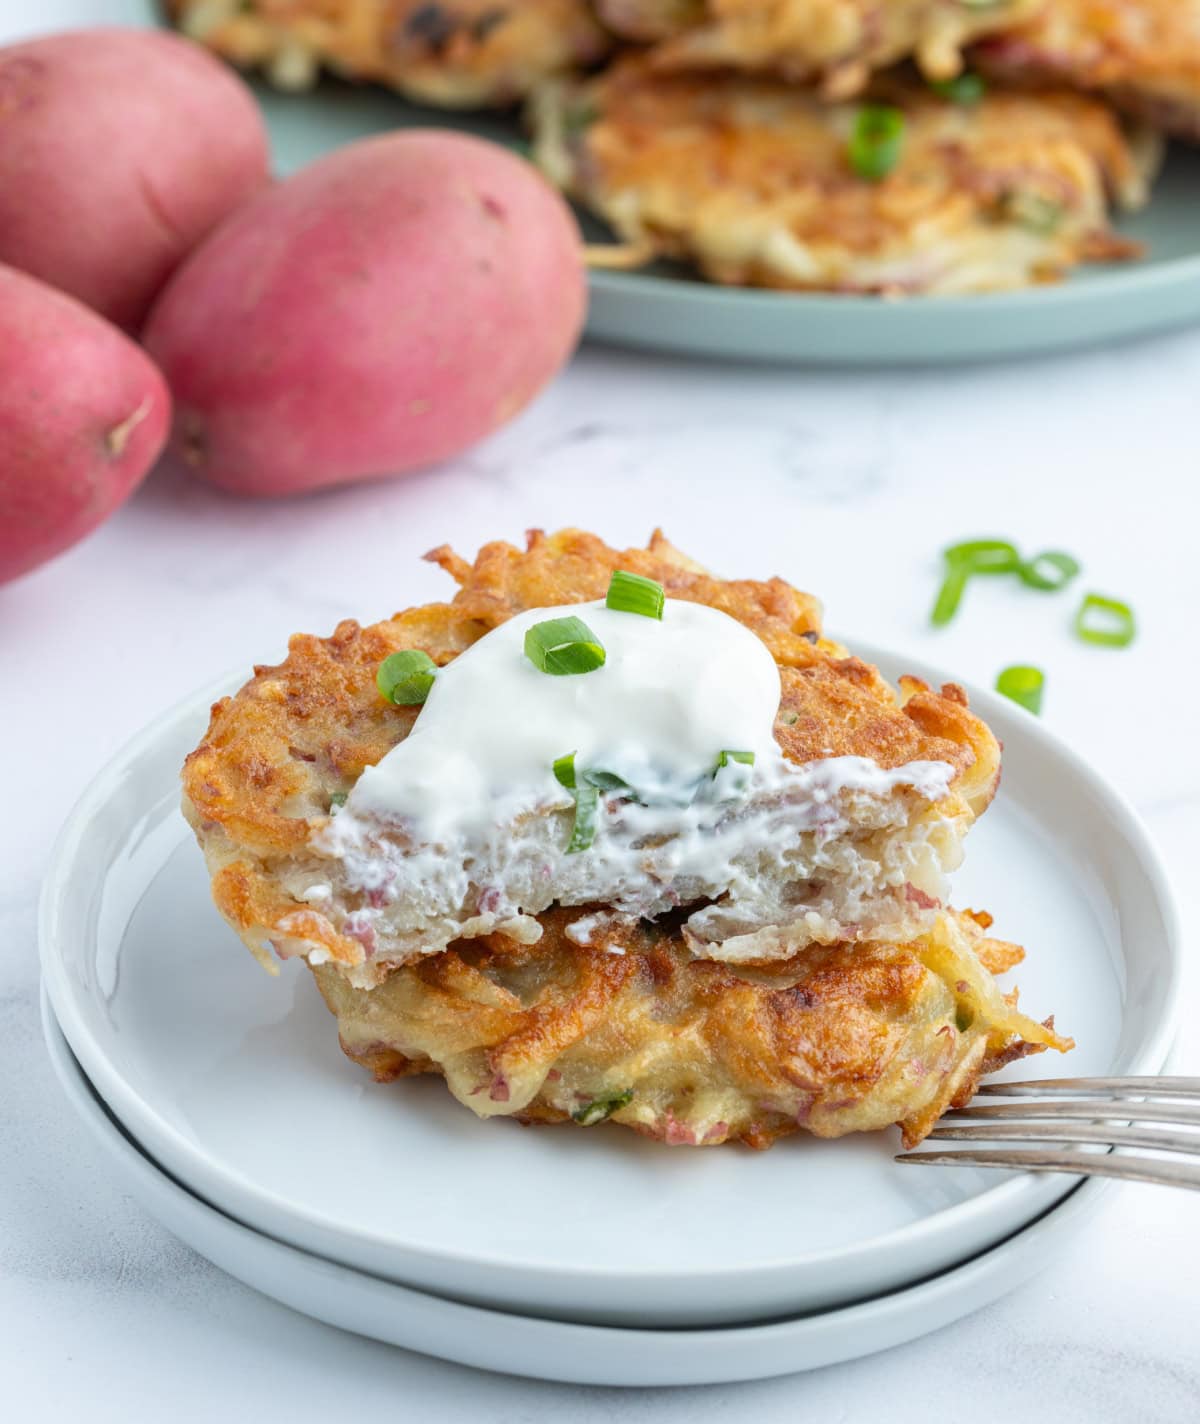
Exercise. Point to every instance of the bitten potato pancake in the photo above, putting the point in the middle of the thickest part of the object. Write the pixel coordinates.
(838, 43)
(758, 184)
(1143, 55)
(282, 754)
(458, 54)
(630, 1028)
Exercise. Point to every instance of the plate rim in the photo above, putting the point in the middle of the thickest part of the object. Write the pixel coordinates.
(1074, 1209)
(134, 1111)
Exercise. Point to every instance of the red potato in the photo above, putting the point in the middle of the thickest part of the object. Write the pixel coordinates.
(84, 414)
(119, 151)
(384, 309)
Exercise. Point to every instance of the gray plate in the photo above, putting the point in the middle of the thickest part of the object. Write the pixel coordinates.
(666, 308)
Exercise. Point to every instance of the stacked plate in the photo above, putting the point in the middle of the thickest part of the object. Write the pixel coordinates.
(588, 1256)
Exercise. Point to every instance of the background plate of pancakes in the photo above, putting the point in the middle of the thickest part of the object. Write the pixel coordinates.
(232, 1084)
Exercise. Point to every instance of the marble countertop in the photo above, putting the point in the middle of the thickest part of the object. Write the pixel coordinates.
(848, 484)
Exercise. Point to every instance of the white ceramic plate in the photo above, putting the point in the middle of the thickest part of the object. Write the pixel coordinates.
(575, 1354)
(235, 1083)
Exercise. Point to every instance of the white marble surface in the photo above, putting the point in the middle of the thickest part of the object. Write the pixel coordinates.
(847, 484)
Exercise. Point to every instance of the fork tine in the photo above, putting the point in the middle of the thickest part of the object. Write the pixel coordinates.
(1080, 1164)
(1122, 1109)
(1151, 1087)
(1063, 1133)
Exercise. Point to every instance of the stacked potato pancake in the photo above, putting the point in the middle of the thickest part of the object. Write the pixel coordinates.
(826, 984)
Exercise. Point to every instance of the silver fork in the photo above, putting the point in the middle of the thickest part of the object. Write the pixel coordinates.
(1076, 1113)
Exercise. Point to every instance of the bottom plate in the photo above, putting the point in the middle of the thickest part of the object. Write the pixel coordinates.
(544, 1349)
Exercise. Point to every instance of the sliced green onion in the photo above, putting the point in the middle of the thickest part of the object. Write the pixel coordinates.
(1050, 571)
(583, 832)
(876, 142)
(950, 594)
(983, 556)
(587, 802)
(1105, 622)
(605, 781)
(631, 593)
(563, 646)
(1023, 685)
(600, 1108)
(405, 678)
(338, 799)
(724, 758)
(964, 89)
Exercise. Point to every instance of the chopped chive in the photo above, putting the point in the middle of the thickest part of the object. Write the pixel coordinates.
(563, 646)
(338, 799)
(724, 758)
(1050, 571)
(564, 770)
(950, 594)
(1105, 622)
(876, 142)
(964, 89)
(631, 593)
(1023, 685)
(404, 679)
(983, 556)
(605, 781)
(600, 1108)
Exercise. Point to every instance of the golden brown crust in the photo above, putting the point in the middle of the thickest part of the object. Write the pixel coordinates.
(299, 733)
(454, 53)
(839, 1039)
(1144, 55)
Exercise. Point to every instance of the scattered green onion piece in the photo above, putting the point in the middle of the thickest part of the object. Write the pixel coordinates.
(563, 646)
(1105, 622)
(1023, 685)
(965, 88)
(631, 593)
(1050, 571)
(600, 1108)
(983, 556)
(876, 142)
(724, 758)
(605, 781)
(949, 596)
(338, 799)
(564, 770)
(405, 678)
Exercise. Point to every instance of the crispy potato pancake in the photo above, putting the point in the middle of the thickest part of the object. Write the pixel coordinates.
(280, 753)
(454, 53)
(751, 180)
(838, 43)
(1143, 55)
(632, 1029)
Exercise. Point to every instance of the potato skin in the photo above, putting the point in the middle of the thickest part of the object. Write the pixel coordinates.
(384, 309)
(84, 414)
(119, 150)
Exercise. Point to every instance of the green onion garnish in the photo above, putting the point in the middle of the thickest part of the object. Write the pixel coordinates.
(600, 1108)
(405, 678)
(724, 758)
(1050, 571)
(587, 802)
(876, 142)
(984, 556)
(963, 89)
(562, 646)
(631, 593)
(949, 597)
(605, 781)
(338, 799)
(1105, 622)
(1023, 685)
